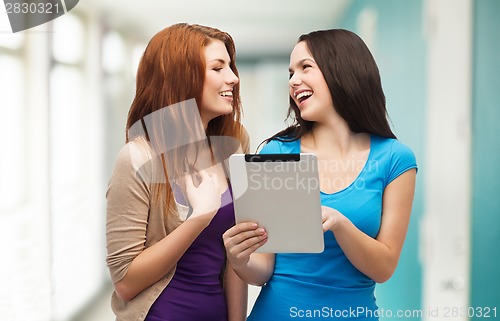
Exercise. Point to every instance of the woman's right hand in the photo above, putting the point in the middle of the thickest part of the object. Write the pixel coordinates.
(205, 199)
(242, 240)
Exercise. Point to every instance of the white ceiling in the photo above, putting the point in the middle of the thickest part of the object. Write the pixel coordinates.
(259, 27)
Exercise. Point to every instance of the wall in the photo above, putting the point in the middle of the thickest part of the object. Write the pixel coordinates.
(485, 266)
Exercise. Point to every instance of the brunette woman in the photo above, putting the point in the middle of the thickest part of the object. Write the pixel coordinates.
(367, 180)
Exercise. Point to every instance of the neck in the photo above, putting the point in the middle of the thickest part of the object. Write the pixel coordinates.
(336, 137)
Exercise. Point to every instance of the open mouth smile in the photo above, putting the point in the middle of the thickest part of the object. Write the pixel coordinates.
(303, 95)
(226, 93)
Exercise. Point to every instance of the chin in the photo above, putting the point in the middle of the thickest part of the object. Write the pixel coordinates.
(227, 111)
(222, 113)
(312, 114)
(307, 117)
(216, 112)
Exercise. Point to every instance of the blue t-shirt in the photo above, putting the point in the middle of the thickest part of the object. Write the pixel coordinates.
(326, 285)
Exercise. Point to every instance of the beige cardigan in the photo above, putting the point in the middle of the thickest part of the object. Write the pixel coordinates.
(133, 225)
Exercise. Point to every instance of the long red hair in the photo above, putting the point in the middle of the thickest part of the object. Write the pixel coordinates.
(172, 71)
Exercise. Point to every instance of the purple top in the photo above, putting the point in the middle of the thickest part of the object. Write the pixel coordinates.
(195, 292)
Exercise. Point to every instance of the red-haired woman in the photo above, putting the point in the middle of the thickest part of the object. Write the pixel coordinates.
(168, 200)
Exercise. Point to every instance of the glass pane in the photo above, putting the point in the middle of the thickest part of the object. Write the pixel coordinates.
(68, 188)
(367, 28)
(69, 39)
(12, 131)
(66, 126)
(136, 56)
(11, 40)
(113, 52)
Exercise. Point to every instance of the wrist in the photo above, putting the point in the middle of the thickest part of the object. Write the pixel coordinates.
(238, 266)
(200, 218)
(339, 222)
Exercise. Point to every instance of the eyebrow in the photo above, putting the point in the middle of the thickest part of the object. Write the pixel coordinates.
(301, 62)
(222, 61)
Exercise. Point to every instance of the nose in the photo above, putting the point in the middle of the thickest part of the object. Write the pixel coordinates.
(231, 78)
(294, 80)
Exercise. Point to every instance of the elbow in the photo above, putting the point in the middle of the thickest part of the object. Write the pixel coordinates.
(123, 291)
(260, 280)
(251, 280)
(255, 280)
(257, 283)
(383, 276)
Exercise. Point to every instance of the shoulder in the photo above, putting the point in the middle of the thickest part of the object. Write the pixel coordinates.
(278, 146)
(403, 153)
(272, 147)
(136, 161)
(393, 155)
(393, 149)
(133, 155)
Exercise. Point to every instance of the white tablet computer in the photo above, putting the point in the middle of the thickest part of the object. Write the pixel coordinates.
(281, 193)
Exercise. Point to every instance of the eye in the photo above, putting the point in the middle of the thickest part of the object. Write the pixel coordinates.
(217, 68)
(290, 75)
(305, 66)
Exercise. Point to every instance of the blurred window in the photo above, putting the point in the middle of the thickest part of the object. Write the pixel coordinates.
(113, 52)
(72, 193)
(12, 130)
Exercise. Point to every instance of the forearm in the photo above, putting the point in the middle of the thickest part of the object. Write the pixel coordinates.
(236, 292)
(156, 261)
(378, 257)
(370, 256)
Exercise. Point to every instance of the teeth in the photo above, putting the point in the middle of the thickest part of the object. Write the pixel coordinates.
(226, 93)
(303, 94)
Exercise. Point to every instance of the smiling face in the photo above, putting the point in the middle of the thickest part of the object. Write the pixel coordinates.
(217, 96)
(308, 87)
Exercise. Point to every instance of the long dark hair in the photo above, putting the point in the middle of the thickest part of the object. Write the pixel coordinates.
(354, 82)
